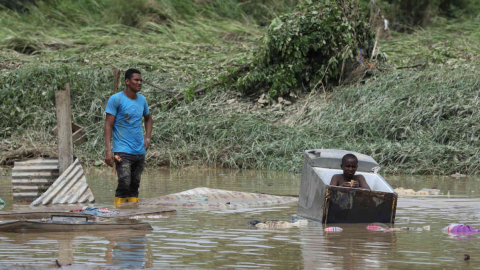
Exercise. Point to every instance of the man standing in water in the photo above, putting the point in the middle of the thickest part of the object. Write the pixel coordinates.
(124, 114)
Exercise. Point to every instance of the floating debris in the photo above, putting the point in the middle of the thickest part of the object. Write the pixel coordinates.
(428, 191)
(378, 227)
(149, 216)
(456, 229)
(423, 192)
(102, 212)
(277, 224)
(333, 229)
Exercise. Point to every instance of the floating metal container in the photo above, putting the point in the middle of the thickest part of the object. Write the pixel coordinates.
(70, 187)
(332, 204)
(33, 177)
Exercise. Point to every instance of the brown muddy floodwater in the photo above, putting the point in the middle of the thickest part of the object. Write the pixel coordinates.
(200, 239)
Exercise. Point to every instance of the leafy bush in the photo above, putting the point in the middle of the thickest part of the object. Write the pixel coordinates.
(308, 47)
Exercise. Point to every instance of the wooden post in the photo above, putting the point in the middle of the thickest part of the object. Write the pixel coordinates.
(64, 126)
(116, 79)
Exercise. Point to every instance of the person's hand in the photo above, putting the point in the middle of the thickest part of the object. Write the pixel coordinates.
(355, 184)
(346, 184)
(109, 158)
(146, 144)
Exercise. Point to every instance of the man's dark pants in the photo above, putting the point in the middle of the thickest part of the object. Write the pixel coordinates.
(129, 171)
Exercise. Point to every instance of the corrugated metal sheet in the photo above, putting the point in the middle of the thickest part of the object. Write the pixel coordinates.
(33, 177)
(70, 187)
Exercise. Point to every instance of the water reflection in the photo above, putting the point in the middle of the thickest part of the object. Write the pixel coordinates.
(221, 239)
(125, 249)
(353, 248)
(129, 251)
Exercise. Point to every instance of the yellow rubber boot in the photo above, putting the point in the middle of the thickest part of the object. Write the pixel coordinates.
(133, 199)
(117, 201)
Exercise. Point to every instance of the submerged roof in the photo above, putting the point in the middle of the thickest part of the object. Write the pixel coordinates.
(203, 197)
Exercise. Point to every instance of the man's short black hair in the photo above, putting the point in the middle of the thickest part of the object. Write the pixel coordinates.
(130, 72)
(349, 156)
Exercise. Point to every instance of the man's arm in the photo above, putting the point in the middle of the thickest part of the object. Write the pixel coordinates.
(107, 135)
(148, 128)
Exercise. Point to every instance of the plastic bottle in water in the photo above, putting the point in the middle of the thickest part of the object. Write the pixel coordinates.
(333, 229)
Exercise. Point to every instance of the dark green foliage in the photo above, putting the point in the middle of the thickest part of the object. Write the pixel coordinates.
(29, 96)
(406, 14)
(17, 5)
(309, 47)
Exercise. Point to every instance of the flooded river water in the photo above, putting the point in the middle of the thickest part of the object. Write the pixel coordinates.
(200, 239)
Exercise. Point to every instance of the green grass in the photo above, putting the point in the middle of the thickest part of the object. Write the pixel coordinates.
(426, 124)
(449, 44)
(410, 120)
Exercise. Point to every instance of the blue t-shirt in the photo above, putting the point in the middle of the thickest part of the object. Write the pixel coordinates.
(127, 128)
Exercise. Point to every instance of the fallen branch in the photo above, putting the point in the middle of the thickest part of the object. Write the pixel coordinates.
(414, 66)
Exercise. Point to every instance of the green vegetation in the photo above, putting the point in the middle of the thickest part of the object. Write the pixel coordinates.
(426, 124)
(311, 47)
(449, 44)
(420, 120)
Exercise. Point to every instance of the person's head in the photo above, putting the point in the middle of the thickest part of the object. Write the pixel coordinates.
(349, 165)
(133, 80)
